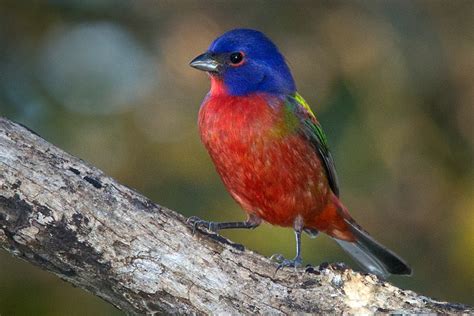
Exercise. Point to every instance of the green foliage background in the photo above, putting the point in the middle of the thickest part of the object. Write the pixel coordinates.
(390, 81)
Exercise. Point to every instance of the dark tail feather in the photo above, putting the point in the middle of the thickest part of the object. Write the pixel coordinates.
(374, 257)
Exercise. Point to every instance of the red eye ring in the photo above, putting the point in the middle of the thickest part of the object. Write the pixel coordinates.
(236, 59)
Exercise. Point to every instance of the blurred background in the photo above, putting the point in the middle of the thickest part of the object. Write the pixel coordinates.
(390, 81)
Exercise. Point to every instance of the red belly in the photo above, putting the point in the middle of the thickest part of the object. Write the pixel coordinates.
(273, 175)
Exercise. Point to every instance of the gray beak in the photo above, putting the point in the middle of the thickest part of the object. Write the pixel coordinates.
(205, 62)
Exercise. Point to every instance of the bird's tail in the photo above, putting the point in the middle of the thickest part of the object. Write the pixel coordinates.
(374, 257)
(370, 254)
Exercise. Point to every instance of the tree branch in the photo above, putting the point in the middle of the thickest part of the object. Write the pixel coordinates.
(62, 214)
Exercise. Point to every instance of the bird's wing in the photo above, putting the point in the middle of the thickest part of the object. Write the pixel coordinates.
(311, 129)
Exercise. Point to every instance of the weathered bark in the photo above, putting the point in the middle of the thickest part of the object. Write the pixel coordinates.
(67, 217)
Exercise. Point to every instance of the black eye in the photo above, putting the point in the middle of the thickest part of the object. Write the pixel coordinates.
(236, 58)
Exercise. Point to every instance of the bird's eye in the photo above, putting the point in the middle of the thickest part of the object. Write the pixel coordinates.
(236, 58)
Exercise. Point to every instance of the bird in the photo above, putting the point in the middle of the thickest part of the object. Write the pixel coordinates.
(272, 154)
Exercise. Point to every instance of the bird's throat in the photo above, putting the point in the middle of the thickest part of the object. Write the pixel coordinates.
(217, 86)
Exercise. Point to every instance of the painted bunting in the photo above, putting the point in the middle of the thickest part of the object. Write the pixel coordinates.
(271, 152)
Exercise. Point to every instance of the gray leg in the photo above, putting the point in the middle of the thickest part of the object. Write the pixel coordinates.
(297, 261)
(251, 222)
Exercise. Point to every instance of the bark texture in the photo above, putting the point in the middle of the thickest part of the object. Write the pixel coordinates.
(65, 216)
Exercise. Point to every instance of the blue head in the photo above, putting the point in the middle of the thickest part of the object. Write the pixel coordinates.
(246, 61)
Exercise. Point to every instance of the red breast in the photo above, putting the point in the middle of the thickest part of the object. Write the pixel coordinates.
(277, 177)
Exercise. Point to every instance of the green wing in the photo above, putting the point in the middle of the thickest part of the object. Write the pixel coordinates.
(311, 128)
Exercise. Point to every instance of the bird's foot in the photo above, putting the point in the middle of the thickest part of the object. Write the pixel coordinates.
(196, 222)
(283, 262)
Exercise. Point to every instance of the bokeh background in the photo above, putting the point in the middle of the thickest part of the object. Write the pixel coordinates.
(391, 82)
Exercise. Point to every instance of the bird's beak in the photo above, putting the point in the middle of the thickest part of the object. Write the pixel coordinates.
(205, 62)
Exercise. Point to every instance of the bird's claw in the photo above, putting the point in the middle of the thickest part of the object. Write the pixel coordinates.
(196, 222)
(277, 257)
(295, 263)
(283, 262)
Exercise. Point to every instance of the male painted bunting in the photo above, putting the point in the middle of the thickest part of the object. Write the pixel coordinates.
(271, 152)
